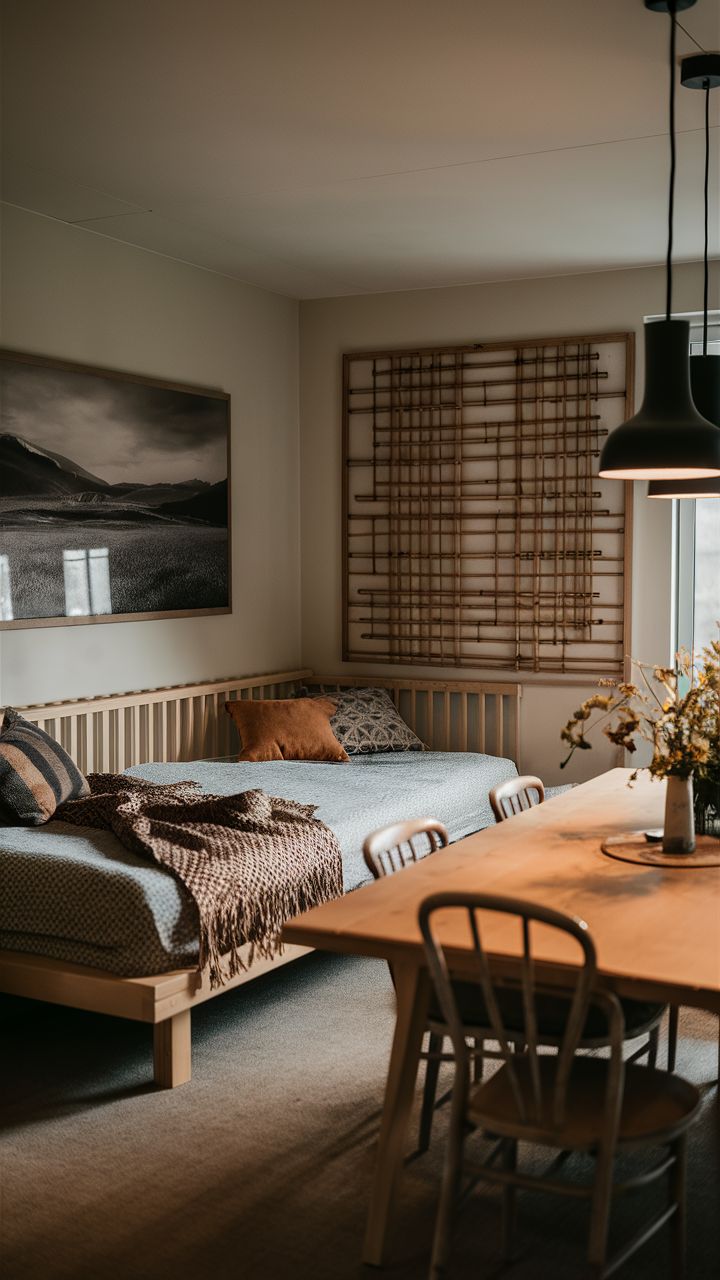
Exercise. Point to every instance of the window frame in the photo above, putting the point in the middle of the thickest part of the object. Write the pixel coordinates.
(684, 516)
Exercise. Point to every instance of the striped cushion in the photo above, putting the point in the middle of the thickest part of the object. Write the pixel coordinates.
(36, 774)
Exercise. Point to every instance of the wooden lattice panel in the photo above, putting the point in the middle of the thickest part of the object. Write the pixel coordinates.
(476, 530)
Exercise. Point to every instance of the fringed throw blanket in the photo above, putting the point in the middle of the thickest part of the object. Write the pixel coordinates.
(249, 861)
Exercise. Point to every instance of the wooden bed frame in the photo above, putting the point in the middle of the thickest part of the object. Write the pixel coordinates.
(188, 722)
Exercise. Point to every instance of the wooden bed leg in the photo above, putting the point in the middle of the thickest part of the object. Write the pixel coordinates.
(172, 1051)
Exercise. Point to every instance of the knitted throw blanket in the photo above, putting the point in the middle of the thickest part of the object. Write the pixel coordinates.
(249, 861)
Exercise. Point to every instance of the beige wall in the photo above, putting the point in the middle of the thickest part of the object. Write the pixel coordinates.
(72, 294)
(602, 302)
(79, 296)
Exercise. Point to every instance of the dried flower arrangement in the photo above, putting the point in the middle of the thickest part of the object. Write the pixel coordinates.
(707, 774)
(682, 728)
(676, 711)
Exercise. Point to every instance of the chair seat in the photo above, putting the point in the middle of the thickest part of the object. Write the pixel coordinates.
(551, 1012)
(656, 1106)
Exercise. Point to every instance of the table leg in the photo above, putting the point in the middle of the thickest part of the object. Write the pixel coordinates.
(412, 987)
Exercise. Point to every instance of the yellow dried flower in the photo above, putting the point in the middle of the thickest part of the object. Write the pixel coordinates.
(665, 675)
(599, 701)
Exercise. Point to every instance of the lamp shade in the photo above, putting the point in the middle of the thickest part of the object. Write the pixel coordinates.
(668, 439)
(705, 384)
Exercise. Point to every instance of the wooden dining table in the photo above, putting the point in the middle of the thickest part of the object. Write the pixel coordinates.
(656, 928)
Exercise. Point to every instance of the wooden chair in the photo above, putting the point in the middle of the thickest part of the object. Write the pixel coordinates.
(511, 797)
(388, 851)
(392, 848)
(506, 801)
(558, 1099)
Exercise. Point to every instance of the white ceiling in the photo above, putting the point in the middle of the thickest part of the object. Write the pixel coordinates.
(325, 147)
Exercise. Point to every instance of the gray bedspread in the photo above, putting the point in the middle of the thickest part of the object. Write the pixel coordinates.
(76, 894)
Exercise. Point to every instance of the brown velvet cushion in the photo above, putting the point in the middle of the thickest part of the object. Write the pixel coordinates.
(286, 729)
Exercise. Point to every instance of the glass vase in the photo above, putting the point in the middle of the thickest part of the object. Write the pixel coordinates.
(679, 827)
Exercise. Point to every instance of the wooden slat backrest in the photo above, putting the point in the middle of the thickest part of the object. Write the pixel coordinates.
(179, 722)
(188, 722)
(514, 796)
(452, 715)
(391, 848)
(471, 906)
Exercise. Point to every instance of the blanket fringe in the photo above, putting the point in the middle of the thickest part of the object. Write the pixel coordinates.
(260, 924)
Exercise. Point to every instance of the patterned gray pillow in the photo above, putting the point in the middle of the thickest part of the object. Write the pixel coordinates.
(366, 720)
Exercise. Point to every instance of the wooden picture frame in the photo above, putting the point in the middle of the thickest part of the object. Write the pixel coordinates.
(114, 496)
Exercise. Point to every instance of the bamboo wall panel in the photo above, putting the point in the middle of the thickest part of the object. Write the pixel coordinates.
(476, 531)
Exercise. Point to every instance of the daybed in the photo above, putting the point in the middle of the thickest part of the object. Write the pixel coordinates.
(84, 921)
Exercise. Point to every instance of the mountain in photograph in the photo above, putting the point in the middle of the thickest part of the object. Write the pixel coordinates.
(55, 489)
(153, 495)
(25, 469)
(211, 505)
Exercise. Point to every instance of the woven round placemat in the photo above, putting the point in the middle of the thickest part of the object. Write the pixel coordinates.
(635, 848)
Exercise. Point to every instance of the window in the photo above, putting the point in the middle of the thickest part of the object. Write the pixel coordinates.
(706, 594)
(698, 542)
(87, 581)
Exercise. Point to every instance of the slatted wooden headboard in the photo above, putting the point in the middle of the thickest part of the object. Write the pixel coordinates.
(180, 722)
(453, 715)
(188, 722)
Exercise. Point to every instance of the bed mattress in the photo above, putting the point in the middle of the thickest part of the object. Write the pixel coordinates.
(76, 894)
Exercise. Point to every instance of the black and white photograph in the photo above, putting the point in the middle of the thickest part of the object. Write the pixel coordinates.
(113, 495)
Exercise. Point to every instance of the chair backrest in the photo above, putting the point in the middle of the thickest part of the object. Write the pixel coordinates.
(391, 848)
(516, 794)
(476, 967)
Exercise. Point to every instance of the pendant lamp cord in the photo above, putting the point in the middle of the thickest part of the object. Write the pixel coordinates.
(706, 272)
(671, 200)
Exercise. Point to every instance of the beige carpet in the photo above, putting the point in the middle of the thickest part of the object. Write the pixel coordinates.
(259, 1169)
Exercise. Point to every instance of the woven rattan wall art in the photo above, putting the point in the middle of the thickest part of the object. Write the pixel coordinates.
(475, 529)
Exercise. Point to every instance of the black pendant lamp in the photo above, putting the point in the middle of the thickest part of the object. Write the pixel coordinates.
(668, 439)
(701, 71)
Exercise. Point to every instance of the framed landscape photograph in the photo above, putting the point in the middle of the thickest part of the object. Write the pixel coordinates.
(113, 496)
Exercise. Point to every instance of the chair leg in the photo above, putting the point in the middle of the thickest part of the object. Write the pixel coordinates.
(450, 1186)
(677, 1195)
(509, 1197)
(672, 1036)
(653, 1039)
(432, 1070)
(478, 1061)
(600, 1211)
